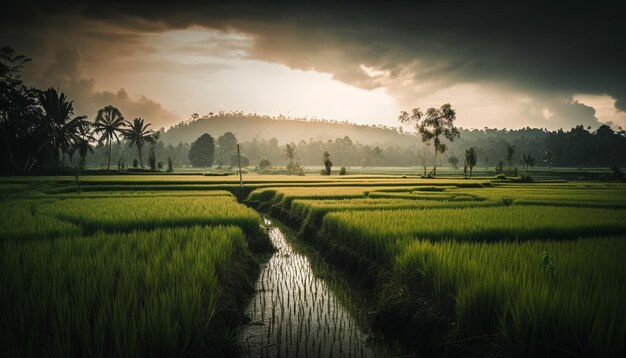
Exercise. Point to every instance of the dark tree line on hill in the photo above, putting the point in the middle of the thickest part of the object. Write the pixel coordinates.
(578, 147)
(40, 133)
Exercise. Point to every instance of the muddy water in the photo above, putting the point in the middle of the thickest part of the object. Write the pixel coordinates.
(295, 314)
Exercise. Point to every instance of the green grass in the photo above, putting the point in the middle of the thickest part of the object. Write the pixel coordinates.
(477, 245)
(311, 212)
(383, 234)
(417, 195)
(146, 294)
(136, 193)
(606, 193)
(23, 221)
(577, 309)
(131, 213)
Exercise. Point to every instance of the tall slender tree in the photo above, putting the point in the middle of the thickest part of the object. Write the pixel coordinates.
(138, 134)
(434, 125)
(528, 161)
(109, 123)
(510, 151)
(290, 154)
(549, 158)
(471, 158)
(62, 131)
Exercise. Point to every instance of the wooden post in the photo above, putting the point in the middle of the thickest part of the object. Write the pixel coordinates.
(240, 175)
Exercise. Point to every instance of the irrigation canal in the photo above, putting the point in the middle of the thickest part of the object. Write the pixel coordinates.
(294, 313)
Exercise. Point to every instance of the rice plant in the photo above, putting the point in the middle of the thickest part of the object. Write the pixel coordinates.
(132, 213)
(154, 293)
(22, 220)
(383, 234)
(514, 289)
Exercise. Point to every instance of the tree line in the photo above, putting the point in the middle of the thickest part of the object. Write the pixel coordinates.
(39, 132)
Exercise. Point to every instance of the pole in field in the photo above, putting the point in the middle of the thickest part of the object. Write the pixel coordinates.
(240, 175)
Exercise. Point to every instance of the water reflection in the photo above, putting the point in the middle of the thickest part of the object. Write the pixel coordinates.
(295, 313)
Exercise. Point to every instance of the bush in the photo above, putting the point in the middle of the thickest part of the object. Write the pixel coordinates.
(342, 171)
(264, 164)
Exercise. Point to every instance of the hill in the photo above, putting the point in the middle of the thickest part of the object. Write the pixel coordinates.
(248, 126)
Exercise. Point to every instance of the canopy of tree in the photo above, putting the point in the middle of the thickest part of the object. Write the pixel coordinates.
(201, 151)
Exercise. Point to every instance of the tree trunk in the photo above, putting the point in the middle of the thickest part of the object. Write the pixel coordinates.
(109, 163)
(471, 171)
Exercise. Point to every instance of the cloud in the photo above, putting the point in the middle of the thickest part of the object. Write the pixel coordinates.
(65, 73)
(548, 51)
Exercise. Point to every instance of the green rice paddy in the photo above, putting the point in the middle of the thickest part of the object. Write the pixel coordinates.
(163, 265)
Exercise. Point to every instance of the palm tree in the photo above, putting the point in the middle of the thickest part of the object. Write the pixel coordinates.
(61, 130)
(139, 134)
(82, 146)
(549, 158)
(109, 122)
(528, 161)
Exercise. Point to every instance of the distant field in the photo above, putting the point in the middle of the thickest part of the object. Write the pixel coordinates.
(139, 264)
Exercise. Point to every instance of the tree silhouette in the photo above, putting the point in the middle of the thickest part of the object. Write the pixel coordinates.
(82, 145)
(528, 161)
(549, 158)
(139, 135)
(202, 151)
(226, 147)
(454, 161)
(290, 154)
(436, 125)
(471, 158)
(109, 123)
(264, 164)
(510, 151)
(327, 163)
(62, 131)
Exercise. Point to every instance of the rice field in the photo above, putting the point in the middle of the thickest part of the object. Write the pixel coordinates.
(141, 274)
(155, 293)
(535, 269)
(544, 297)
(385, 233)
(133, 213)
(164, 265)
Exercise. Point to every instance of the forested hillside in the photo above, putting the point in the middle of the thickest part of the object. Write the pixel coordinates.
(246, 127)
(264, 137)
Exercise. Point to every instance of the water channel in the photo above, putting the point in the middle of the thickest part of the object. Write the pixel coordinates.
(294, 313)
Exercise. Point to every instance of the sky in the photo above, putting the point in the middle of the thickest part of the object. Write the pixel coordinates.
(500, 64)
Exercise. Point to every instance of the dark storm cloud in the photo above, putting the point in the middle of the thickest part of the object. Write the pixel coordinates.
(553, 48)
